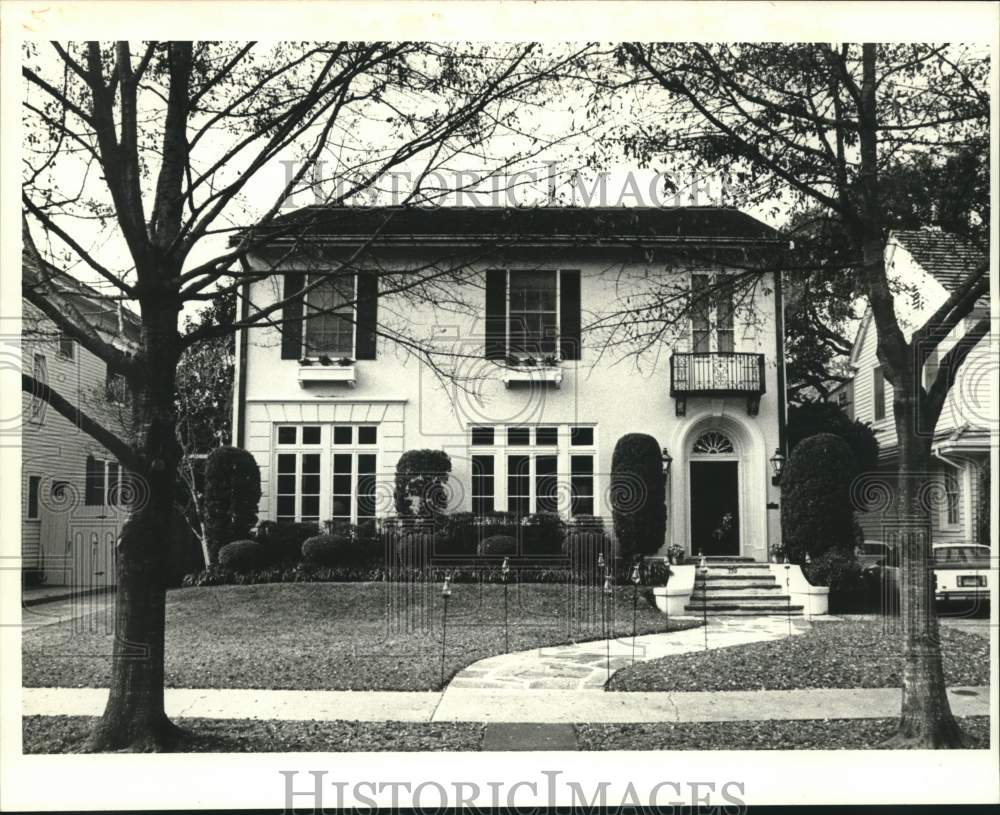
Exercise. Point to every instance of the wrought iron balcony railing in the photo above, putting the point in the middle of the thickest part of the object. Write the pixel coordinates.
(717, 374)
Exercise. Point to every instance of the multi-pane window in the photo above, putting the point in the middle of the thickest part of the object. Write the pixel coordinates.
(322, 477)
(582, 485)
(533, 324)
(330, 318)
(34, 485)
(298, 487)
(878, 391)
(102, 483)
(711, 300)
(483, 484)
(531, 468)
(115, 387)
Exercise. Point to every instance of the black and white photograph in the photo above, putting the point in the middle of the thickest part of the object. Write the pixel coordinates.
(498, 404)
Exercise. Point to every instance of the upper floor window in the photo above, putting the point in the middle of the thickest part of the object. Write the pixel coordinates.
(711, 315)
(950, 507)
(330, 318)
(115, 387)
(533, 313)
(67, 348)
(878, 391)
(34, 485)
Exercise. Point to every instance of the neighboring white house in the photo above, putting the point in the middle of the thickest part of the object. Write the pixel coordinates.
(70, 482)
(523, 436)
(923, 266)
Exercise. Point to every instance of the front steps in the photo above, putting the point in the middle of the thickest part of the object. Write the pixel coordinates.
(739, 587)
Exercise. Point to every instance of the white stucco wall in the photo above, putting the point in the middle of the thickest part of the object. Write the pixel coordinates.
(615, 391)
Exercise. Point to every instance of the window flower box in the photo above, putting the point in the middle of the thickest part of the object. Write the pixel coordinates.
(324, 370)
(544, 371)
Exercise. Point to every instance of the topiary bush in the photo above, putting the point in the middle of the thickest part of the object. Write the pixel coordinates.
(241, 556)
(232, 493)
(839, 569)
(816, 511)
(498, 546)
(422, 483)
(330, 550)
(638, 495)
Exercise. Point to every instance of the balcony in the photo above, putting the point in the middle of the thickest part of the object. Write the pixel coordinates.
(718, 374)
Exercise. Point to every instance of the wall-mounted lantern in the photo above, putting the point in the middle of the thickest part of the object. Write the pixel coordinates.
(777, 466)
(667, 460)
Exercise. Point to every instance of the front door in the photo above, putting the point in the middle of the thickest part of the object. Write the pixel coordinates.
(715, 508)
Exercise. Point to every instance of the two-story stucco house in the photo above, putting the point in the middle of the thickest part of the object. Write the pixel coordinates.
(70, 514)
(552, 341)
(923, 266)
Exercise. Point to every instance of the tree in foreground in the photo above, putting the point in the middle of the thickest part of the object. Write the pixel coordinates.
(818, 125)
(141, 162)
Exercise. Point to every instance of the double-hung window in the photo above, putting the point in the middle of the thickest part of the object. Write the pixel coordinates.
(711, 315)
(329, 329)
(298, 467)
(950, 514)
(533, 313)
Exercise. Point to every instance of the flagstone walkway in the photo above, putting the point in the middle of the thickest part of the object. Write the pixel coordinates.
(588, 665)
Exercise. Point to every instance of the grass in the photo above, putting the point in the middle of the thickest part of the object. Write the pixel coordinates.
(334, 636)
(796, 734)
(854, 654)
(66, 734)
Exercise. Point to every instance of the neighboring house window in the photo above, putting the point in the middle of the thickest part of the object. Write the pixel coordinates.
(527, 464)
(67, 348)
(113, 489)
(34, 485)
(330, 318)
(533, 312)
(952, 497)
(40, 372)
(878, 392)
(93, 495)
(711, 314)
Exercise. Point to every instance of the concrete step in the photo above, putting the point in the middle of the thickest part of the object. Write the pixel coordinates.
(739, 607)
(734, 586)
(749, 612)
(732, 579)
(749, 600)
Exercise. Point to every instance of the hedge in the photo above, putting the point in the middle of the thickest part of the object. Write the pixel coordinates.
(241, 556)
(816, 510)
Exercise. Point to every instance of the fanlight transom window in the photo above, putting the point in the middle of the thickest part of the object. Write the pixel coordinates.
(713, 443)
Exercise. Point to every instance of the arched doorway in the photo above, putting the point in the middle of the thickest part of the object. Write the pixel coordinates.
(714, 487)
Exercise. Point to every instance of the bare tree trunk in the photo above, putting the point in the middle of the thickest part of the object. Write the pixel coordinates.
(925, 719)
(134, 718)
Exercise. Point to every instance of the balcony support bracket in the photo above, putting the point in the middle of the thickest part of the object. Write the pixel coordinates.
(680, 406)
(753, 405)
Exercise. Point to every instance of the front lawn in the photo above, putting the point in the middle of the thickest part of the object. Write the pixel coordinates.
(335, 636)
(795, 734)
(851, 654)
(66, 734)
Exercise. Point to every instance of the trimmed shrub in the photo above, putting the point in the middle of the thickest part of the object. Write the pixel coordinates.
(330, 550)
(498, 546)
(816, 510)
(638, 495)
(811, 418)
(849, 588)
(543, 533)
(232, 492)
(282, 543)
(422, 480)
(241, 556)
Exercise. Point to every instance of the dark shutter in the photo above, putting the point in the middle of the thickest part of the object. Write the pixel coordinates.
(291, 319)
(93, 494)
(367, 315)
(569, 314)
(496, 314)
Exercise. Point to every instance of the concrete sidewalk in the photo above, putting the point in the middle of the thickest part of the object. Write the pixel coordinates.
(510, 705)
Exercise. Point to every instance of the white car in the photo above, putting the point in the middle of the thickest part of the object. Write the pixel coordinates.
(962, 572)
